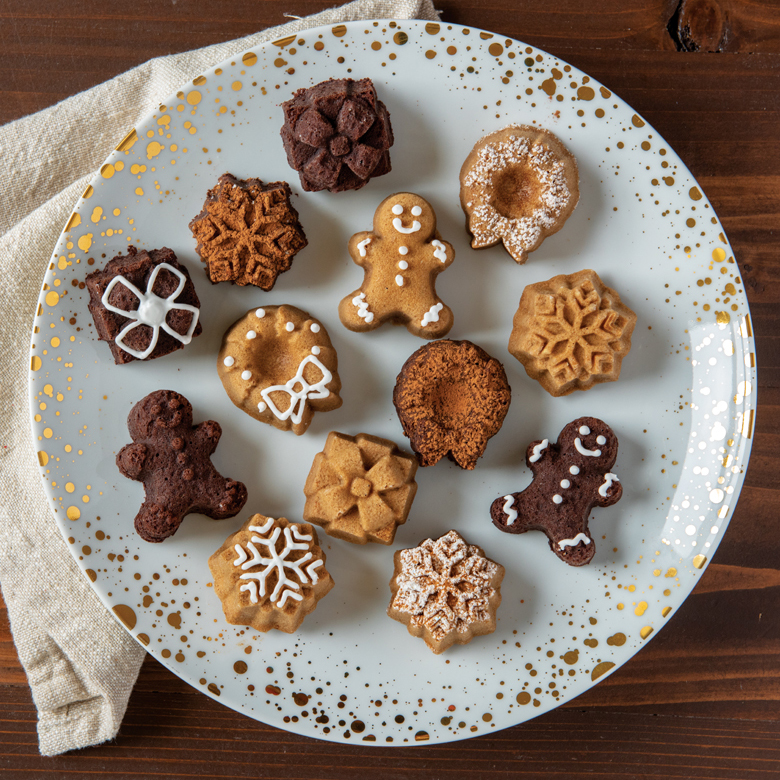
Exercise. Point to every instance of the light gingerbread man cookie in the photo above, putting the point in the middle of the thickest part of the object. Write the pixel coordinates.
(402, 257)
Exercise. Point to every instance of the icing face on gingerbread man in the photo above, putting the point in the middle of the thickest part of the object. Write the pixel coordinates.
(401, 257)
(570, 478)
(173, 460)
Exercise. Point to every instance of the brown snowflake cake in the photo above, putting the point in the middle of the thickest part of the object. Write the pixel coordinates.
(518, 185)
(571, 332)
(337, 135)
(248, 232)
(360, 488)
(270, 574)
(445, 591)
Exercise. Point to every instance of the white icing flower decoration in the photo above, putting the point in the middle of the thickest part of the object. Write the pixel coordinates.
(152, 311)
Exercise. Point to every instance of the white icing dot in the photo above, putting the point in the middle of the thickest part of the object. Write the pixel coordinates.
(584, 430)
(574, 470)
(228, 361)
(557, 499)
(246, 374)
(403, 265)
(403, 250)
(315, 328)
(260, 313)
(690, 530)
(261, 407)
(416, 211)
(565, 483)
(250, 334)
(315, 350)
(601, 440)
(399, 280)
(398, 209)
(290, 327)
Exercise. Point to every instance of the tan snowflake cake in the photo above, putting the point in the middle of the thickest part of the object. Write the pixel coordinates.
(360, 488)
(571, 332)
(518, 185)
(445, 591)
(270, 574)
(277, 363)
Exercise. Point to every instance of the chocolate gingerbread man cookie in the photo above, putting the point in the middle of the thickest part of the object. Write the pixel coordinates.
(570, 478)
(172, 457)
(401, 257)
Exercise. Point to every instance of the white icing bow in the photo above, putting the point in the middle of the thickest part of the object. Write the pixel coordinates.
(152, 311)
(298, 397)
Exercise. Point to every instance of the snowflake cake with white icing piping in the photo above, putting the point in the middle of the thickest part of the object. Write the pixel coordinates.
(270, 574)
(277, 363)
(445, 591)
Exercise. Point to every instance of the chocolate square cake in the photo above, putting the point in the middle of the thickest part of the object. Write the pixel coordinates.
(144, 304)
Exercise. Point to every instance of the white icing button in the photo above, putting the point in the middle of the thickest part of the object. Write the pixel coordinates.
(290, 327)
(416, 211)
(260, 313)
(565, 483)
(403, 265)
(315, 328)
(557, 499)
(584, 430)
(399, 280)
(601, 440)
(250, 334)
(574, 470)
(403, 250)
(398, 209)
(228, 361)
(261, 407)
(246, 374)
(315, 350)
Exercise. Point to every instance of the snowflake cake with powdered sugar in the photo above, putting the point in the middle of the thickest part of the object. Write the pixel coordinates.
(446, 591)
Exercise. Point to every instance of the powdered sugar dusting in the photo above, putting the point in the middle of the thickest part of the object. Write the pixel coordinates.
(521, 234)
(445, 585)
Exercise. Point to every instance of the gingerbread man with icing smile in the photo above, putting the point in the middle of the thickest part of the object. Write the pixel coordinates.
(571, 476)
(401, 257)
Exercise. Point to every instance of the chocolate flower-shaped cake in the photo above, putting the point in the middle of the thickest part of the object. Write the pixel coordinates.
(360, 488)
(337, 135)
(248, 232)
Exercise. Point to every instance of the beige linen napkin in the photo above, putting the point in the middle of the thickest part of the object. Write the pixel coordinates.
(81, 664)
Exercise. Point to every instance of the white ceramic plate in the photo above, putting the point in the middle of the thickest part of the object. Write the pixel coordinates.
(683, 408)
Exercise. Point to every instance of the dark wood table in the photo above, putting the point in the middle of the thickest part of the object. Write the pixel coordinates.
(702, 700)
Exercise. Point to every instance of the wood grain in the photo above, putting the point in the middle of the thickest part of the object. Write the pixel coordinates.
(699, 701)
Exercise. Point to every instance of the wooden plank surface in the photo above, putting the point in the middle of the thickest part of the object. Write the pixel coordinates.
(702, 700)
